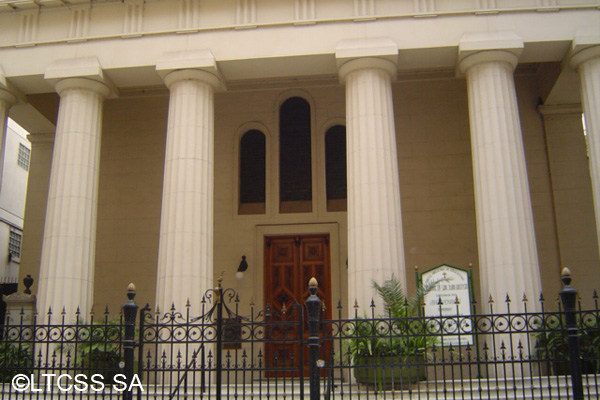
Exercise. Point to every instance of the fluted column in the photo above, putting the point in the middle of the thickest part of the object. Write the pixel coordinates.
(375, 243)
(68, 249)
(185, 259)
(587, 63)
(506, 239)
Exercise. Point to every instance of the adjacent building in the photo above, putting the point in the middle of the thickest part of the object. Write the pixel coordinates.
(15, 154)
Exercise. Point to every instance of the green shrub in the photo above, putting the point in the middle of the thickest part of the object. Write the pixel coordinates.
(97, 349)
(552, 344)
(15, 358)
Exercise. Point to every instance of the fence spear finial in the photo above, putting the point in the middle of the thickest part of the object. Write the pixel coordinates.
(566, 275)
(131, 291)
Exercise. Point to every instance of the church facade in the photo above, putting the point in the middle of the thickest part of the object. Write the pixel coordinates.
(176, 141)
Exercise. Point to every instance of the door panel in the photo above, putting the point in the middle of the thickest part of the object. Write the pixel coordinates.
(290, 262)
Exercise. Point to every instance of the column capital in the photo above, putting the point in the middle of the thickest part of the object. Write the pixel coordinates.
(82, 83)
(192, 74)
(585, 46)
(367, 63)
(84, 72)
(488, 56)
(195, 65)
(356, 54)
(584, 55)
(479, 47)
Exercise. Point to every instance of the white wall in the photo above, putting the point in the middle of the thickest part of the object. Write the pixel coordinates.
(13, 185)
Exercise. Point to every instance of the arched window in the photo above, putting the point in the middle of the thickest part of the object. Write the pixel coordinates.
(252, 173)
(335, 168)
(295, 177)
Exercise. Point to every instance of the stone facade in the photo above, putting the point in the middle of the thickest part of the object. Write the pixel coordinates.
(464, 142)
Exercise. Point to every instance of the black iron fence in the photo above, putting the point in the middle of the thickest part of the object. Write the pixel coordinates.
(51, 353)
(534, 353)
(539, 352)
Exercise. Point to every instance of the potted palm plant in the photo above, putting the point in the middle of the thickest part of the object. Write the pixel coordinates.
(389, 351)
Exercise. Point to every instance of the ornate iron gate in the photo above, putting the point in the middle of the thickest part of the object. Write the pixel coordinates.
(220, 350)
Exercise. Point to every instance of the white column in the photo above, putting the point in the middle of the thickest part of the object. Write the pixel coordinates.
(587, 63)
(506, 239)
(68, 249)
(185, 259)
(375, 242)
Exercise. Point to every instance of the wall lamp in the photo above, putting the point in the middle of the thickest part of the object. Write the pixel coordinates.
(241, 268)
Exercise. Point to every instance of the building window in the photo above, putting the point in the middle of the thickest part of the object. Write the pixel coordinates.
(252, 173)
(335, 168)
(295, 173)
(14, 245)
(23, 157)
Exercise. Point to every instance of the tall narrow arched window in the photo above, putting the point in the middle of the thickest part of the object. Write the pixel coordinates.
(335, 168)
(252, 173)
(295, 176)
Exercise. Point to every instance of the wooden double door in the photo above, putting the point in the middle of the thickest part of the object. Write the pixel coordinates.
(290, 262)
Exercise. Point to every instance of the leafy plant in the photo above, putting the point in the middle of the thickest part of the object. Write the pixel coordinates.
(400, 332)
(552, 344)
(14, 359)
(97, 348)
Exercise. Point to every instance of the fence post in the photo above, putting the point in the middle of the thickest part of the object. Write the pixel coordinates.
(313, 309)
(568, 297)
(130, 313)
(219, 349)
